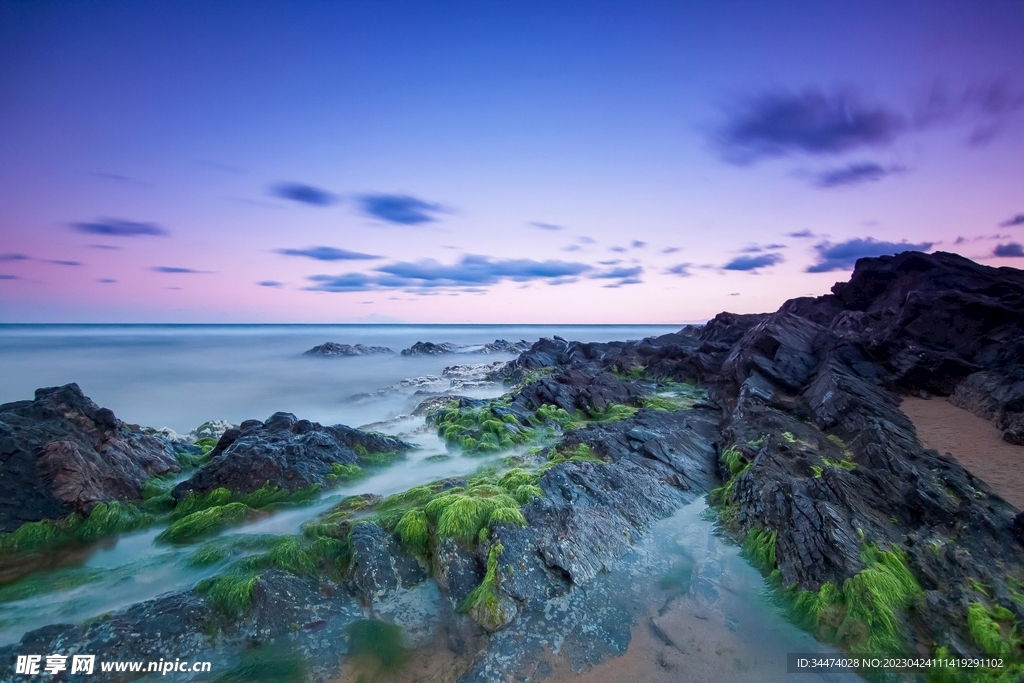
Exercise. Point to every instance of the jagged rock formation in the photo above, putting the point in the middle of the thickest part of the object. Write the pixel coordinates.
(289, 453)
(61, 453)
(497, 346)
(334, 349)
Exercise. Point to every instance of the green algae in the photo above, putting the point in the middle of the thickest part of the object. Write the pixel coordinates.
(266, 663)
(104, 519)
(205, 522)
(230, 592)
(483, 602)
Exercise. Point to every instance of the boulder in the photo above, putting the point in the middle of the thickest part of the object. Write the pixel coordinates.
(61, 453)
(334, 349)
(289, 453)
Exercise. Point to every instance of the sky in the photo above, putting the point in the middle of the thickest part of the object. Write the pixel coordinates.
(500, 162)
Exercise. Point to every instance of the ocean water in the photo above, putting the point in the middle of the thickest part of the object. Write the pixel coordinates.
(180, 376)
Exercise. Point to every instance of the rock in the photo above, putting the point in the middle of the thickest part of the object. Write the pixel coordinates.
(334, 349)
(61, 453)
(497, 346)
(457, 570)
(289, 453)
(379, 564)
(430, 349)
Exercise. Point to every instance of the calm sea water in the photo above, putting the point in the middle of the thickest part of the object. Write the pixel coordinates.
(180, 376)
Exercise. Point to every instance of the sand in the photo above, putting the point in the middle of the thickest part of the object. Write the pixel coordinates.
(973, 441)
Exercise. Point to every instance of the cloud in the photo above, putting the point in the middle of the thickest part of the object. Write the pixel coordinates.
(119, 228)
(305, 194)
(123, 179)
(810, 122)
(583, 239)
(758, 248)
(801, 234)
(572, 247)
(471, 271)
(637, 244)
(1016, 220)
(328, 254)
(670, 250)
(626, 281)
(617, 273)
(844, 255)
(546, 226)
(985, 107)
(1011, 250)
(618, 250)
(174, 269)
(682, 270)
(854, 174)
(269, 283)
(750, 263)
(106, 280)
(613, 262)
(64, 263)
(399, 209)
(8, 277)
(14, 257)
(103, 246)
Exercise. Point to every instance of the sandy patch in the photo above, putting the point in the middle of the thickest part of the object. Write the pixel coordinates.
(973, 441)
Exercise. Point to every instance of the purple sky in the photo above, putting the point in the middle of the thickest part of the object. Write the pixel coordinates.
(493, 162)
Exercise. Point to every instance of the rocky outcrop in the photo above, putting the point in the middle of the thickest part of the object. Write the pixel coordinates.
(61, 453)
(379, 565)
(497, 346)
(334, 349)
(288, 453)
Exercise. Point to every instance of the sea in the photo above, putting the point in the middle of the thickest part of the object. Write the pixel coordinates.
(180, 376)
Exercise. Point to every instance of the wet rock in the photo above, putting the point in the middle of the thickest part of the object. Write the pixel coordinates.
(379, 565)
(334, 349)
(458, 571)
(430, 349)
(289, 453)
(61, 453)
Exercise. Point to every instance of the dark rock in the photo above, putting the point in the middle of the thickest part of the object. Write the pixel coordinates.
(289, 453)
(61, 453)
(333, 349)
(430, 349)
(457, 570)
(379, 564)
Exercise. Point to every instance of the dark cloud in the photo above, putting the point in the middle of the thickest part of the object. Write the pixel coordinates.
(270, 283)
(471, 271)
(801, 234)
(103, 246)
(854, 174)
(1011, 250)
(328, 254)
(618, 250)
(1016, 220)
(546, 226)
(637, 244)
(57, 262)
(844, 255)
(14, 257)
(810, 122)
(613, 262)
(8, 277)
(985, 107)
(625, 281)
(670, 250)
(119, 228)
(305, 194)
(399, 209)
(758, 248)
(682, 270)
(174, 269)
(749, 263)
(618, 273)
(106, 280)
